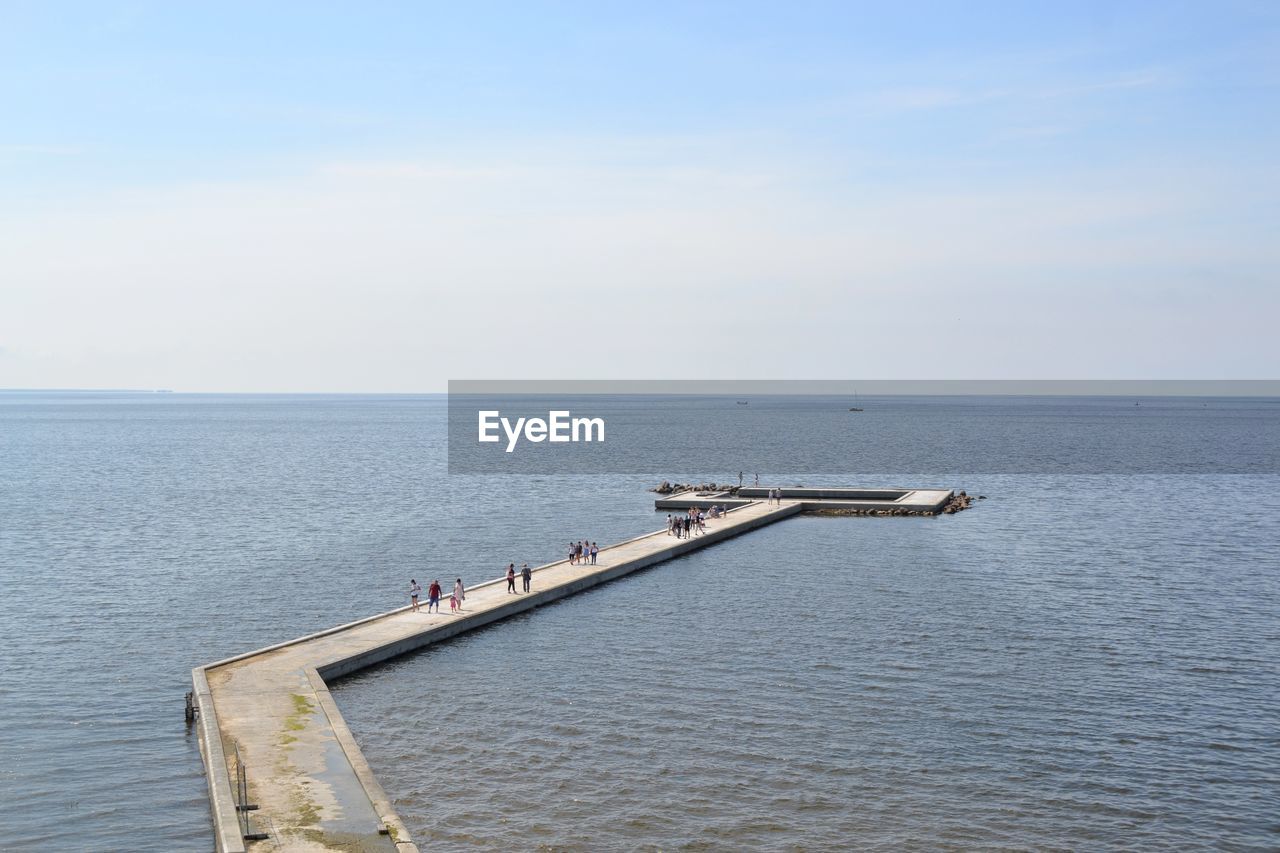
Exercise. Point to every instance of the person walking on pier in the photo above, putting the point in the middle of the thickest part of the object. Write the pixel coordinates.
(414, 592)
(526, 574)
(433, 596)
(459, 595)
(511, 578)
(595, 551)
(671, 523)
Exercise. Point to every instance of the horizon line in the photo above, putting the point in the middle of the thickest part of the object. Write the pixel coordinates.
(1252, 388)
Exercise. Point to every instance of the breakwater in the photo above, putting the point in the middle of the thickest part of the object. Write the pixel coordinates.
(281, 763)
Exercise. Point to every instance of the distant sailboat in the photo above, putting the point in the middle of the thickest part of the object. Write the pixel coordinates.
(855, 399)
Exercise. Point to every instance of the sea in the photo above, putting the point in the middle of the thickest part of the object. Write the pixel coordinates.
(1087, 659)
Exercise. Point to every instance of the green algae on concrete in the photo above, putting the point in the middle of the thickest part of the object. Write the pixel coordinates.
(302, 708)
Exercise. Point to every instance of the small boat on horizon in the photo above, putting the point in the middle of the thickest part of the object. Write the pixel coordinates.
(743, 402)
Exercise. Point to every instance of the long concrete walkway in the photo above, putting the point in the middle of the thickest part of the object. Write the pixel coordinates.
(312, 788)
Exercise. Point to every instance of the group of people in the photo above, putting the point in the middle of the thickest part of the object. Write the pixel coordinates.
(582, 551)
(460, 592)
(526, 574)
(433, 595)
(691, 524)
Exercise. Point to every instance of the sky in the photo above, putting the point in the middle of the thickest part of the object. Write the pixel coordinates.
(381, 197)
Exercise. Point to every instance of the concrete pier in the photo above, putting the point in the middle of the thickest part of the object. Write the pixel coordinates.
(269, 712)
(871, 500)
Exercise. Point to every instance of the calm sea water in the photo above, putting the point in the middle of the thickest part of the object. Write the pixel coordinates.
(1081, 661)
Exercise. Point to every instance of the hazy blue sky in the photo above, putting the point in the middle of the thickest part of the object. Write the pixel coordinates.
(252, 196)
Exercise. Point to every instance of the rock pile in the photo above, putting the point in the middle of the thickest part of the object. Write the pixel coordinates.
(959, 501)
(666, 488)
